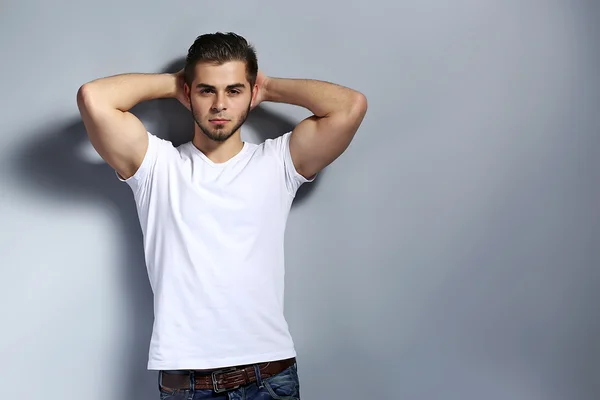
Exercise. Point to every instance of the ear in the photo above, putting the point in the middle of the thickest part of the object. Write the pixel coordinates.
(254, 95)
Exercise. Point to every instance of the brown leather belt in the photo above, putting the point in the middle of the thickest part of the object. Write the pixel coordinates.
(223, 379)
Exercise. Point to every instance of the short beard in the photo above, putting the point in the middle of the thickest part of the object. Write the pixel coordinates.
(221, 136)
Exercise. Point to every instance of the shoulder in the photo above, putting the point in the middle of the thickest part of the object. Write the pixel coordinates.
(276, 146)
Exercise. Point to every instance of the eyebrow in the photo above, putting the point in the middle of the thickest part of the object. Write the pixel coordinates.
(232, 86)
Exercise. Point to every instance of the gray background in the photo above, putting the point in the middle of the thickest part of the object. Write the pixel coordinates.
(451, 253)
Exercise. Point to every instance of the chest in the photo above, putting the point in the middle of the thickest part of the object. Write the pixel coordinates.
(237, 198)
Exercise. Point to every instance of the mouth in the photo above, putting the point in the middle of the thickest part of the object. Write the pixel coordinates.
(218, 121)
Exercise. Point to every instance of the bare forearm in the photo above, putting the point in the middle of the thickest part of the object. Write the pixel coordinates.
(321, 98)
(126, 90)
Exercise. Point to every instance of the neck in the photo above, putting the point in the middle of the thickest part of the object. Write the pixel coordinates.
(218, 152)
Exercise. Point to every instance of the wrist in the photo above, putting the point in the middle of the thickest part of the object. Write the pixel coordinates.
(266, 93)
(174, 81)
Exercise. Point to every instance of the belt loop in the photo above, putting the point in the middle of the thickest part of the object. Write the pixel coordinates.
(159, 379)
(259, 381)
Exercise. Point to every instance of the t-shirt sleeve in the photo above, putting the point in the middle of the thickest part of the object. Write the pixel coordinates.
(293, 179)
(157, 148)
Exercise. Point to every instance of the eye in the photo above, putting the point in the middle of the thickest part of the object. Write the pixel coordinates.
(234, 91)
(206, 91)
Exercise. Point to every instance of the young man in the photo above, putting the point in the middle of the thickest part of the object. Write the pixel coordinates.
(213, 212)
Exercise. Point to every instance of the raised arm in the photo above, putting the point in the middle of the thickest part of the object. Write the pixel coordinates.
(118, 136)
(321, 138)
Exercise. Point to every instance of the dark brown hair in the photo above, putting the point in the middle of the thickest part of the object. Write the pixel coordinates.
(219, 48)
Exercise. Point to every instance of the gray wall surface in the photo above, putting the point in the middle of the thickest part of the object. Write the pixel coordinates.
(451, 253)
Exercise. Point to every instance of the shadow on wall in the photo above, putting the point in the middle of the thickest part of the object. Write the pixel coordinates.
(53, 164)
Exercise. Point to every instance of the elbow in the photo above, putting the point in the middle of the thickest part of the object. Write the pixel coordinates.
(361, 103)
(88, 97)
(83, 95)
(359, 106)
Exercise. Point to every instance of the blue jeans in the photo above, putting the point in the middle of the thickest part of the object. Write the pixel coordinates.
(284, 385)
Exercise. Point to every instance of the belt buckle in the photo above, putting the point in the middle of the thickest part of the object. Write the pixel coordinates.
(214, 379)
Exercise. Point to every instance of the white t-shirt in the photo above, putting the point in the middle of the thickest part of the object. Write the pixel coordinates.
(214, 248)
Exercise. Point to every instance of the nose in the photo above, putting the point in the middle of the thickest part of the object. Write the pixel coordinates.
(219, 103)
